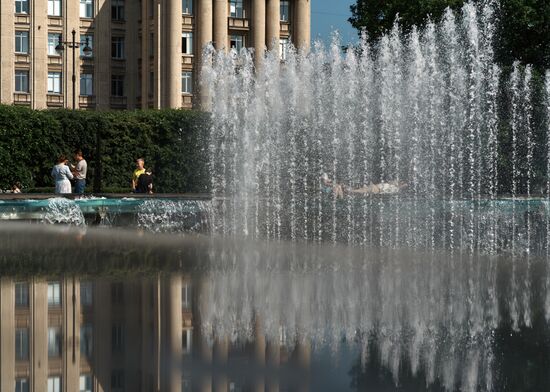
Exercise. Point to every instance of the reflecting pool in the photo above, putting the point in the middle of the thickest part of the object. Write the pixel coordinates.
(128, 310)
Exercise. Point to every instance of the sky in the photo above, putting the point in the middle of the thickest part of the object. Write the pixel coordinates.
(330, 15)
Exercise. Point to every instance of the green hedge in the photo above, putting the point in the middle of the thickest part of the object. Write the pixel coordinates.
(173, 143)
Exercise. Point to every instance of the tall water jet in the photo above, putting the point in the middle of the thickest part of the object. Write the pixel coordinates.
(418, 113)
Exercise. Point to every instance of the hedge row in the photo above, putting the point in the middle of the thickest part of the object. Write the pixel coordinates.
(173, 143)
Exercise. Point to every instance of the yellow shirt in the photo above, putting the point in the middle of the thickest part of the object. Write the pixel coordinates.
(137, 173)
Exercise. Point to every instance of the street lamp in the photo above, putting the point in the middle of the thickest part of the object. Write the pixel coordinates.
(74, 45)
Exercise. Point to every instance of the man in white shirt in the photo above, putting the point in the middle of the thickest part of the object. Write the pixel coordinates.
(79, 172)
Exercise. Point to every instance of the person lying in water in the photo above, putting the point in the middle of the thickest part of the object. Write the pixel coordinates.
(329, 186)
(383, 188)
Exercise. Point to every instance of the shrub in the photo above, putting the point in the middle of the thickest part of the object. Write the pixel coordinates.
(172, 142)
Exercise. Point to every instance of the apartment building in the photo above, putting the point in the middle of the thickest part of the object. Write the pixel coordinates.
(61, 334)
(130, 54)
(68, 334)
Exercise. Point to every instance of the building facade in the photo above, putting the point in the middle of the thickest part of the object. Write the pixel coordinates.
(131, 53)
(75, 334)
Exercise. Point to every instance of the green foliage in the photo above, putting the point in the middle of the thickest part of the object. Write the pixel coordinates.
(523, 31)
(377, 17)
(172, 142)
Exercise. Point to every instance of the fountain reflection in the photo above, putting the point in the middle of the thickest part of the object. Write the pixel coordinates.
(163, 313)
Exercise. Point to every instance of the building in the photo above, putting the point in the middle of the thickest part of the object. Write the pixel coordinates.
(62, 334)
(144, 53)
(66, 334)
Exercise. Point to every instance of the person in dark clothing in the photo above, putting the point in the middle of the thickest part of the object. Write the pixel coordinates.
(145, 182)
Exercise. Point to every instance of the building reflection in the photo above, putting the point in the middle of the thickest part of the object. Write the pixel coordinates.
(133, 334)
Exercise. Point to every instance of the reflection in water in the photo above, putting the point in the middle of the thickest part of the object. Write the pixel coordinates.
(117, 311)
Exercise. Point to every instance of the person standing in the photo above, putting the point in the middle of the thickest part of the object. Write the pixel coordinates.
(62, 176)
(79, 172)
(140, 169)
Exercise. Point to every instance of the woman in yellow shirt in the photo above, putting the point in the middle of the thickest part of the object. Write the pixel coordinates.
(140, 169)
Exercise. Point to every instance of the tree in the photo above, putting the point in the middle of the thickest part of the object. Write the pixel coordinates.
(524, 28)
(376, 17)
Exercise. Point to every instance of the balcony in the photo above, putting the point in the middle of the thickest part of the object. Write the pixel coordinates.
(54, 100)
(86, 24)
(22, 19)
(86, 101)
(238, 24)
(187, 61)
(21, 58)
(55, 21)
(118, 63)
(187, 101)
(285, 29)
(118, 102)
(22, 98)
(55, 60)
(188, 21)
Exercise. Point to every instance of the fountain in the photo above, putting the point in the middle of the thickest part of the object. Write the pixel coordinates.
(427, 109)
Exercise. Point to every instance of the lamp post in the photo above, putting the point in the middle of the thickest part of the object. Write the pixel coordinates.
(73, 45)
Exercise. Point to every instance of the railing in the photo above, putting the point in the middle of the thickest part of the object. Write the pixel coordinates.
(187, 60)
(55, 60)
(22, 19)
(22, 98)
(187, 21)
(285, 27)
(118, 102)
(54, 100)
(187, 101)
(55, 21)
(86, 101)
(238, 23)
(22, 58)
(86, 23)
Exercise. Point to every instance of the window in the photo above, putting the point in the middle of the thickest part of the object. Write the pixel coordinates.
(151, 44)
(22, 288)
(86, 8)
(21, 344)
(186, 287)
(54, 289)
(86, 89)
(186, 86)
(185, 385)
(283, 48)
(53, 41)
(186, 339)
(117, 86)
(86, 340)
(54, 7)
(117, 338)
(187, 7)
(285, 11)
(83, 43)
(117, 47)
(117, 380)
(86, 383)
(236, 42)
(21, 385)
(86, 287)
(21, 6)
(151, 82)
(54, 342)
(117, 10)
(187, 43)
(22, 42)
(117, 289)
(236, 8)
(54, 384)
